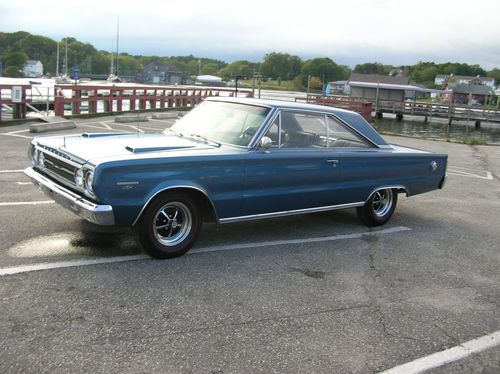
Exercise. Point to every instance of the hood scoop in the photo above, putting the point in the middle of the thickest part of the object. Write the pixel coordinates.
(155, 149)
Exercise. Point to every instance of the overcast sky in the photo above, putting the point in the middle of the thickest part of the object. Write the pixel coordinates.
(349, 32)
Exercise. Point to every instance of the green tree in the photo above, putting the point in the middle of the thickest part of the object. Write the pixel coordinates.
(370, 68)
(281, 65)
(14, 62)
(325, 69)
(495, 73)
(240, 67)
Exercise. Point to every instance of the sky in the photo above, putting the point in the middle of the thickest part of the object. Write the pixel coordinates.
(349, 32)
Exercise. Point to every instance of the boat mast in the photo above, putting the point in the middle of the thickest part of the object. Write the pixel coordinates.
(57, 59)
(111, 68)
(117, 41)
(66, 59)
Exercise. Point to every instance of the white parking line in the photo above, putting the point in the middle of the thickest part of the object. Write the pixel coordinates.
(28, 203)
(11, 171)
(106, 260)
(96, 127)
(448, 355)
(468, 173)
(17, 135)
(18, 131)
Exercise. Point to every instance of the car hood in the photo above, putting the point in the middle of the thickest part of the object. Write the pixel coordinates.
(98, 148)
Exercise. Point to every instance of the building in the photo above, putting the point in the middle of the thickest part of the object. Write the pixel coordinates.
(471, 94)
(378, 88)
(33, 69)
(443, 79)
(158, 72)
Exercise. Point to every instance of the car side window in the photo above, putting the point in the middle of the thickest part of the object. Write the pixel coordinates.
(303, 130)
(340, 135)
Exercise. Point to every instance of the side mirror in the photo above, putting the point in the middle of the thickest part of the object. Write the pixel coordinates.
(265, 143)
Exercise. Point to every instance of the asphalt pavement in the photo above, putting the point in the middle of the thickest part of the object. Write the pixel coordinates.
(313, 293)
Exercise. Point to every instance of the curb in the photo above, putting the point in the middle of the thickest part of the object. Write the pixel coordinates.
(52, 126)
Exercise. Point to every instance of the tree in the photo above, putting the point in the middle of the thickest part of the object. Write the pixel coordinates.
(14, 62)
(495, 73)
(240, 67)
(325, 69)
(370, 68)
(281, 65)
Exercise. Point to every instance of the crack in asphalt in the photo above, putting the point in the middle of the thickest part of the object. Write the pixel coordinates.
(482, 157)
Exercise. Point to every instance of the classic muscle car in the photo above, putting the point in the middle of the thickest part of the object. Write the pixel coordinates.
(231, 160)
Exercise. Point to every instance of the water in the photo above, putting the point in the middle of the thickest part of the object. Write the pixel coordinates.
(438, 128)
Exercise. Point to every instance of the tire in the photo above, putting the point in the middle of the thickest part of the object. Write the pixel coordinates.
(379, 207)
(169, 225)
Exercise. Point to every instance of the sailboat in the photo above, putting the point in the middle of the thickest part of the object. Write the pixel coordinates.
(113, 76)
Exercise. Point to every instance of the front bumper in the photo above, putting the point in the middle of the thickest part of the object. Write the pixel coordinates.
(98, 214)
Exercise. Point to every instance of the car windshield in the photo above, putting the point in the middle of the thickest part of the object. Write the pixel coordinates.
(222, 122)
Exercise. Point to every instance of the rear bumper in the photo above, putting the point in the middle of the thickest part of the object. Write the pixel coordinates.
(98, 214)
(442, 183)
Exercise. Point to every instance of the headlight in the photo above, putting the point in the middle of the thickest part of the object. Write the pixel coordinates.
(79, 178)
(34, 156)
(89, 178)
(41, 159)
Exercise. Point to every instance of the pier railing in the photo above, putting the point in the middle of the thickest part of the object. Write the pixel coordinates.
(13, 97)
(362, 107)
(88, 99)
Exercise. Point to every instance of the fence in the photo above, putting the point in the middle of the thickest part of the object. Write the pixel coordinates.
(14, 98)
(80, 99)
(362, 107)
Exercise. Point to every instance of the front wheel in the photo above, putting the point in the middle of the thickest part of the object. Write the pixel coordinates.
(169, 226)
(379, 207)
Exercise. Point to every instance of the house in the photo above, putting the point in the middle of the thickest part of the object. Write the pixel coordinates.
(33, 69)
(158, 72)
(377, 88)
(463, 93)
(443, 79)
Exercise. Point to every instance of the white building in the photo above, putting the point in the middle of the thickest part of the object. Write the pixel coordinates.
(33, 69)
(442, 79)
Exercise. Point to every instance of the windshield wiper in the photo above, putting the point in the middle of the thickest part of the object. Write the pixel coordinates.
(204, 139)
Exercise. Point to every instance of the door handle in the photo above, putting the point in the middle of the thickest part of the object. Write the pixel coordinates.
(332, 162)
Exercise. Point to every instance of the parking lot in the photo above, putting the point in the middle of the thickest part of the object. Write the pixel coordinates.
(311, 293)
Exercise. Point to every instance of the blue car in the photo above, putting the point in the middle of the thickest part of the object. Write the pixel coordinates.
(231, 160)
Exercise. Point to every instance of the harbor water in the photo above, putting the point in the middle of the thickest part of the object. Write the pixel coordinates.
(486, 133)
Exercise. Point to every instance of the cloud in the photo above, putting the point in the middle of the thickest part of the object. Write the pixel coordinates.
(367, 30)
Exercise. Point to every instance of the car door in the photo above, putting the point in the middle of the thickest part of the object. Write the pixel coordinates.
(298, 171)
(363, 165)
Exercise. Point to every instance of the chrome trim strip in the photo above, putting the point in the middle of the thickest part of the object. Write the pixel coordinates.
(397, 186)
(98, 214)
(127, 183)
(173, 188)
(55, 155)
(290, 212)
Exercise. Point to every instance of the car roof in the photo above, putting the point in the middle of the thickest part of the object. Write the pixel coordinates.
(278, 104)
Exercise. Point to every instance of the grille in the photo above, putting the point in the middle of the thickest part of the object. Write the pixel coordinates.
(59, 167)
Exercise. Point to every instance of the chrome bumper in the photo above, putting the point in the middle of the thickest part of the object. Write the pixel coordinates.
(98, 214)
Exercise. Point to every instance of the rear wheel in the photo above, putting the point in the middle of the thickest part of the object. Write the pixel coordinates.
(379, 207)
(168, 226)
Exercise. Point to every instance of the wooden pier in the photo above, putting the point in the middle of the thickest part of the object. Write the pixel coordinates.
(451, 112)
(94, 99)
